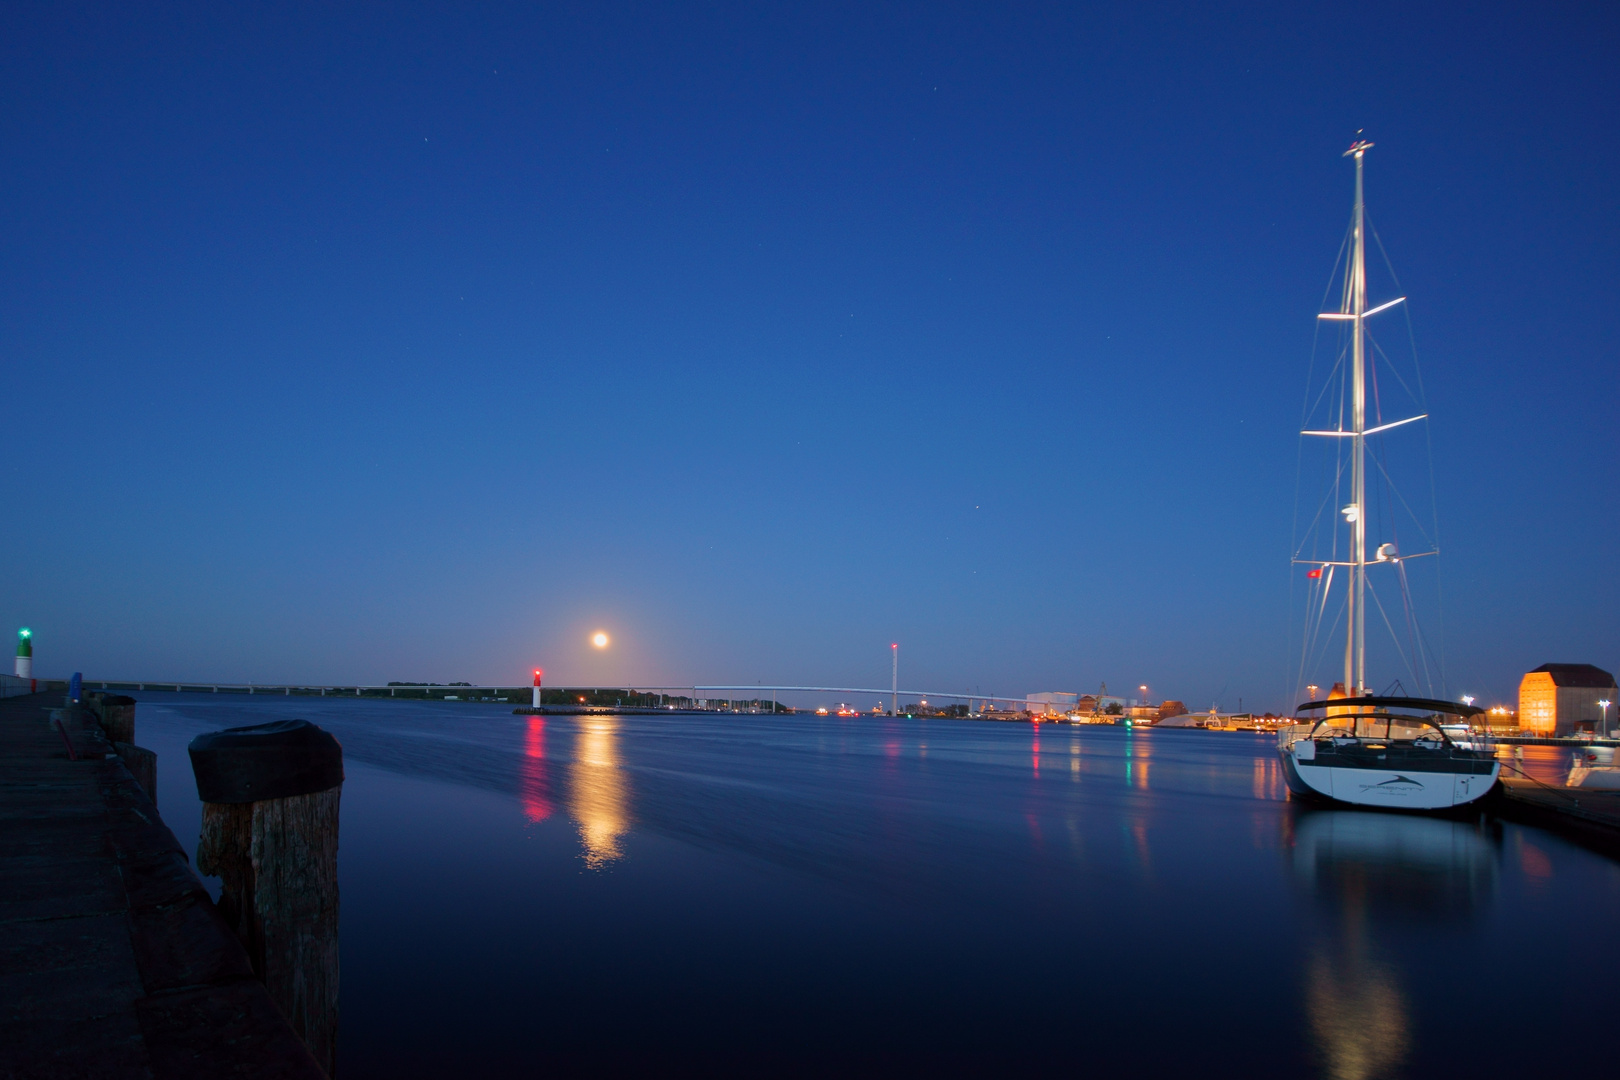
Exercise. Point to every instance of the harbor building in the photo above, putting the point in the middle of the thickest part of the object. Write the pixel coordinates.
(1561, 699)
(1053, 704)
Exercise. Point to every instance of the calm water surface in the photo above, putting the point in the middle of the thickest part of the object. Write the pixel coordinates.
(528, 896)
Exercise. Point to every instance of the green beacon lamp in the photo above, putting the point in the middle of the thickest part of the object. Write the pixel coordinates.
(25, 653)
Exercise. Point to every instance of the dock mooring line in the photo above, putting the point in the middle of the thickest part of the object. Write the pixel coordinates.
(65, 740)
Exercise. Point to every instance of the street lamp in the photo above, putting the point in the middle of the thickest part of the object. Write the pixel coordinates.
(1143, 691)
(1468, 699)
(1605, 703)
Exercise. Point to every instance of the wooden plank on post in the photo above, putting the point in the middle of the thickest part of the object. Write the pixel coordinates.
(142, 765)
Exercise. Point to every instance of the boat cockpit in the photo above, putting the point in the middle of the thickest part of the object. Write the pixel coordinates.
(1384, 726)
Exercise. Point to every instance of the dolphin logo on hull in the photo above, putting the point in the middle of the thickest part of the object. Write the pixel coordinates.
(1396, 781)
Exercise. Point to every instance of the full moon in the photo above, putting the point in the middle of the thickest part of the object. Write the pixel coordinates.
(600, 640)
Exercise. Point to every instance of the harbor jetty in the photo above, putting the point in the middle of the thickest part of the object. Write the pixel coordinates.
(1589, 817)
(114, 960)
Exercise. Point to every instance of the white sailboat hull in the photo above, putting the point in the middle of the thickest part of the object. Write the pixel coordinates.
(1399, 790)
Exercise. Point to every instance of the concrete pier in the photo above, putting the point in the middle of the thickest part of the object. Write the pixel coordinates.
(114, 962)
(1591, 818)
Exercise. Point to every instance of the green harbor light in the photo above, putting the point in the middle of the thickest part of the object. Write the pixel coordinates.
(24, 668)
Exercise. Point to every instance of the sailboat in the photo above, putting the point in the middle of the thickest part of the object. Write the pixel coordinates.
(1355, 747)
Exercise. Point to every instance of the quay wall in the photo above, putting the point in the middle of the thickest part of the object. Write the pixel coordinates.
(115, 960)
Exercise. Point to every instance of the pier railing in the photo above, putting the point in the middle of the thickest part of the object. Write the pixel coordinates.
(461, 692)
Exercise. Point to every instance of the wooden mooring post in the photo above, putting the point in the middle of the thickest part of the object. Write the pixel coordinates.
(116, 714)
(270, 797)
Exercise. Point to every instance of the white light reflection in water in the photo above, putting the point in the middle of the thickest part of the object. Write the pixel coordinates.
(1357, 1014)
(1367, 869)
(1268, 779)
(600, 797)
(1138, 755)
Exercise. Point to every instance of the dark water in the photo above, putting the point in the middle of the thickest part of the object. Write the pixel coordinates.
(695, 895)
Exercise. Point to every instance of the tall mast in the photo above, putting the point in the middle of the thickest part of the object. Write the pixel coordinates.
(1355, 305)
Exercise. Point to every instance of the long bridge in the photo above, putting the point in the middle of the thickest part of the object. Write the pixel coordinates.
(459, 691)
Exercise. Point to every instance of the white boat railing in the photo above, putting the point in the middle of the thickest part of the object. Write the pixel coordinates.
(1290, 734)
(1461, 737)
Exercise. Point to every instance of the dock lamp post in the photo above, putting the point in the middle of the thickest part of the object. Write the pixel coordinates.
(1604, 703)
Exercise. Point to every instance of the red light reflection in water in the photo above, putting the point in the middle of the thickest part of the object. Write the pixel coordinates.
(1035, 832)
(1035, 751)
(534, 783)
(1534, 862)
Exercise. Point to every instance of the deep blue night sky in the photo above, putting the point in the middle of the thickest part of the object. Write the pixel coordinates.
(417, 342)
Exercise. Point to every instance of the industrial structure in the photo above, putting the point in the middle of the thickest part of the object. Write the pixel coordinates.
(1051, 704)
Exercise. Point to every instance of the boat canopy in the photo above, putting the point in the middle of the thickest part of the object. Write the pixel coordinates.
(1415, 704)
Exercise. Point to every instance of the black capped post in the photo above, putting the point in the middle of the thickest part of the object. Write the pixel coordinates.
(116, 714)
(270, 797)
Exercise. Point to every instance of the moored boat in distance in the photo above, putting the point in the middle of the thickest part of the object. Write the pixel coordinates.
(1391, 752)
(1594, 769)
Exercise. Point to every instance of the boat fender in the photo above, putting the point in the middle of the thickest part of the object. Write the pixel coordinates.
(1305, 750)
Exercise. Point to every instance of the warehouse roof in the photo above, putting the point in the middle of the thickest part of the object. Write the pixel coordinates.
(1577, 675)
